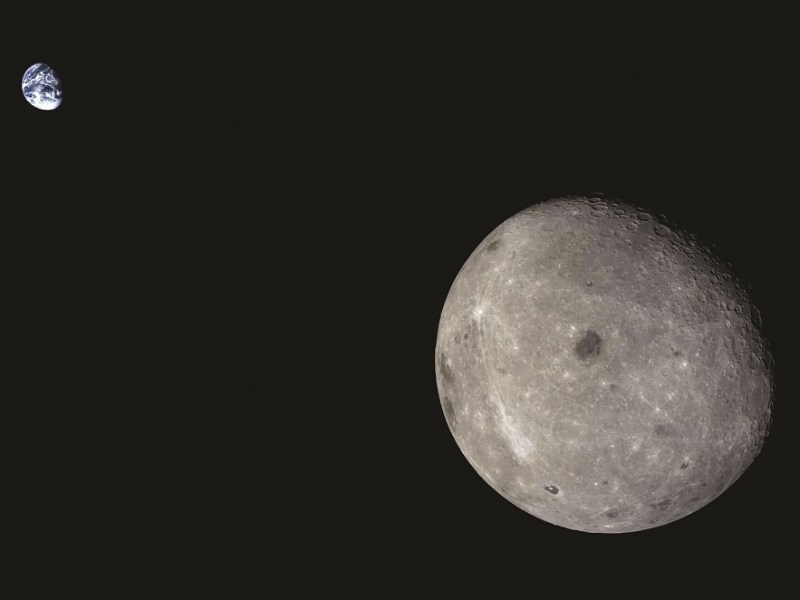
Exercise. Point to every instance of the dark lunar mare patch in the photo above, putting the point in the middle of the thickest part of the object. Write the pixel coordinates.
(662, 430)
(662, 504)
(589, 345)
(493, 246)
(449, 411)
(445, 370)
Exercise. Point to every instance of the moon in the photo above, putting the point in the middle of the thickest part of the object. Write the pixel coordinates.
(42, 87)
(600, 368)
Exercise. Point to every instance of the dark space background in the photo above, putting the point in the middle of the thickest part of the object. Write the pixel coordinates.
(224, 258)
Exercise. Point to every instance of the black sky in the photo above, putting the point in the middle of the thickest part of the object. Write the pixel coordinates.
(225, 255)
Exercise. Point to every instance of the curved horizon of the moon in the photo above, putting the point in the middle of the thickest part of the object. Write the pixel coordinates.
(601, 369)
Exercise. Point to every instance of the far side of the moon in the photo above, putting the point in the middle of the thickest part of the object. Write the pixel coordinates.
(601, 370)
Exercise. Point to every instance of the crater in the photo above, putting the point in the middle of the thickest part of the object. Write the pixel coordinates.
(589, 345)
(612, 514)
(551, 488)
(684, 465)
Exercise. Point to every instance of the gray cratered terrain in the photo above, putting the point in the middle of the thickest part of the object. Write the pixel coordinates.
(601, 369)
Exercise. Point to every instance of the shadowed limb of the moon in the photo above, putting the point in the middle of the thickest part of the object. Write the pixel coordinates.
(602, 369)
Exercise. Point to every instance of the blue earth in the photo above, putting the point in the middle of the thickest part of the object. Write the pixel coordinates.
(42, 87)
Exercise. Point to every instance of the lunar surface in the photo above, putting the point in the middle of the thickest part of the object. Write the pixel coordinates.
(42, 87)
(600, 368)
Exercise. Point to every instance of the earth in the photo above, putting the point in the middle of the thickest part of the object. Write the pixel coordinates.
(42, 87)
